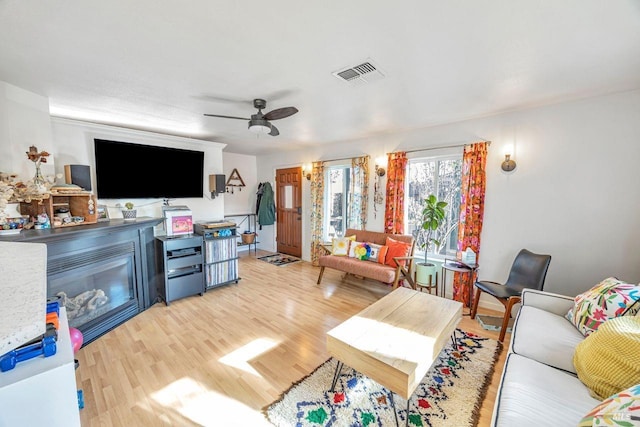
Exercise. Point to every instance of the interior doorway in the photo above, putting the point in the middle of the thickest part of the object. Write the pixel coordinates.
(289, 211)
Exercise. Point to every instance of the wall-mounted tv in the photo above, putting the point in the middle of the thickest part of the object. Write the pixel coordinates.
(136, 171)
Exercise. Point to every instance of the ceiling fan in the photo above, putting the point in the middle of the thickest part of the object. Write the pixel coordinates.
(260, 123)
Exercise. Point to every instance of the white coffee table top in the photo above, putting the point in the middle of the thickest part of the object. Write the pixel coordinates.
(395, 340)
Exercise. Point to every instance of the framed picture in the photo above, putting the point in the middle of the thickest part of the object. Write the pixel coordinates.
(103, 213)
(178, 220)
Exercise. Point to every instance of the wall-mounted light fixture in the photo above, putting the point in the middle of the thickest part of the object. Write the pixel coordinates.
(508, 165)
(380, 166)
(306, 171)
(378, 197)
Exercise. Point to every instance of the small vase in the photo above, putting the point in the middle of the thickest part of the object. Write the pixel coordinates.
(38, 178)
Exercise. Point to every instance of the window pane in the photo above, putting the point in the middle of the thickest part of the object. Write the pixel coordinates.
(442, 178)
(336, 196)
(449, 182)
(421, 183)
(288, 196)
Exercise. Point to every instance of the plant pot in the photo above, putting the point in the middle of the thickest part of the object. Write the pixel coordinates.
(423, 271)
(248, 238)
(129, 214)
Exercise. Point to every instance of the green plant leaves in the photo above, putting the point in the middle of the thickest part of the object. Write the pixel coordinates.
(433, 215)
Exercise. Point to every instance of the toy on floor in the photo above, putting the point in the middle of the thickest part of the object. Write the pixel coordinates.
(76, 339)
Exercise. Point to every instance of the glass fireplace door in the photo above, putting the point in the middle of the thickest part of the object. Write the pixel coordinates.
(93, 292)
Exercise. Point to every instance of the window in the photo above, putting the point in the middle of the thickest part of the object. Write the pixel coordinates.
(440, 176)
(336, 209)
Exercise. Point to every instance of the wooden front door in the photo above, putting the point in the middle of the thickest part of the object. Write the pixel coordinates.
(289, 211)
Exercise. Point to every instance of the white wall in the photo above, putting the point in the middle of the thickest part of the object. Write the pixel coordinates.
(73, 144)
(574, 194)
(241, 201)
(24, 121)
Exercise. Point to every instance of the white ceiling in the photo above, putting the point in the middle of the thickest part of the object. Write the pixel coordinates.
(159, 65)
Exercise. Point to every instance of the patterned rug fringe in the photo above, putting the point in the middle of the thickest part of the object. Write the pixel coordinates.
(485, 385)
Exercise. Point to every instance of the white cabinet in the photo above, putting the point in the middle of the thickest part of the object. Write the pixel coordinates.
(42, 391)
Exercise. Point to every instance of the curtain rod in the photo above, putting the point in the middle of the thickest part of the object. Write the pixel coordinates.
(438, 148)
(344, 158)
(410, 151)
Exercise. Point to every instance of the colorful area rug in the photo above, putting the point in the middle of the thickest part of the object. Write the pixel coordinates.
(279, 259)
(449, 395)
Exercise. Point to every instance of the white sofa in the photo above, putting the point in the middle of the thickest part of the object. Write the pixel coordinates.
(539, 385)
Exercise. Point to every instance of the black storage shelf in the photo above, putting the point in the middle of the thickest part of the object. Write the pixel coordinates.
(182, 265)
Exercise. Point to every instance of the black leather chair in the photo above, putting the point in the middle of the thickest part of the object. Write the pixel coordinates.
(528, 271)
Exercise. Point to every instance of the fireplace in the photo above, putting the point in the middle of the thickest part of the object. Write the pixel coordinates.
(96, 286)
(103, 273)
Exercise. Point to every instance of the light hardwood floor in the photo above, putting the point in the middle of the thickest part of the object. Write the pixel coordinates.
(217, 360)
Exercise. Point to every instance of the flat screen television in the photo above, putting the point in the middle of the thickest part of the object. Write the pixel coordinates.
(136, 171)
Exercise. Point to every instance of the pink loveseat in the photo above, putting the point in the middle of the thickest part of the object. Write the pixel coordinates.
(371, 270)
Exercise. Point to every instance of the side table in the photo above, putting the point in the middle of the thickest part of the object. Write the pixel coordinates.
(461, 267)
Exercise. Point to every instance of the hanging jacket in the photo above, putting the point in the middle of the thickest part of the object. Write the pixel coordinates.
(267, 209)
(259, 196)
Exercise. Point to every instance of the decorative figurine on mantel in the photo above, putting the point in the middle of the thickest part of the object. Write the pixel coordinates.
(38, 158)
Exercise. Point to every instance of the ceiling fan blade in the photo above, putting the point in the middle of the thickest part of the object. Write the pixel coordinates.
(226, 117)
(274, 130)
(280, 113)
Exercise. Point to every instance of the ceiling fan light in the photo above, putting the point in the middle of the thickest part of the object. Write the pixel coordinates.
(259, 126)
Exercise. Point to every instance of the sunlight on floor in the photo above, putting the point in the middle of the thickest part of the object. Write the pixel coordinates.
(205, 407)
(240, 358)
(399, 343)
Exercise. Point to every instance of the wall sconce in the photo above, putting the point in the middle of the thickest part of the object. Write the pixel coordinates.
(306, 172)
(508, 165)
(380, 166)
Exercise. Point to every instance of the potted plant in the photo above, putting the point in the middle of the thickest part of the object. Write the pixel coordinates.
(433, 215)
(129, 213)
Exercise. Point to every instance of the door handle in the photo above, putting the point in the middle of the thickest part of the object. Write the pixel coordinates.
(299, 210)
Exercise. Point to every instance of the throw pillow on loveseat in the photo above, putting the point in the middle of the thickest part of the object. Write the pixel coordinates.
(608, 299)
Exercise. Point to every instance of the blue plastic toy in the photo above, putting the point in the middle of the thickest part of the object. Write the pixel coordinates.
(46, 347)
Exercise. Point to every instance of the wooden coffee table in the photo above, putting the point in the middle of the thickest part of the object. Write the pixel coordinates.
(395, 340)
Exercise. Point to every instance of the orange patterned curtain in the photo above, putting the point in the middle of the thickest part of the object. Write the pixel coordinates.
(474, 161)
(394, 208)
(317, 198)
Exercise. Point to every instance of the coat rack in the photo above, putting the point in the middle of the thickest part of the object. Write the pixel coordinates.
(234, 180)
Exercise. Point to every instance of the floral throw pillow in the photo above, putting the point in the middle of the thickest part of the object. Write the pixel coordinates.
(340, 245)
(608, 299)
(360, 250)
(376, 253)
(621, 409)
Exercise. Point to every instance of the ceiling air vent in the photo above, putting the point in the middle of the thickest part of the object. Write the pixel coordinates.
(364, 73)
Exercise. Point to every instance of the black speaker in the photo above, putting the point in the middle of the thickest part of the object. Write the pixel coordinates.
(79, 175)
(216, 184)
